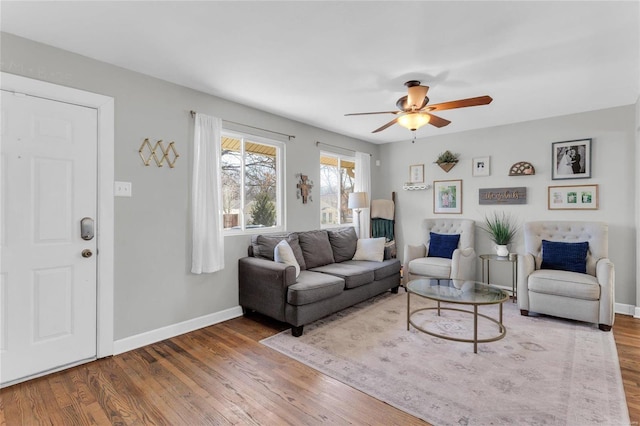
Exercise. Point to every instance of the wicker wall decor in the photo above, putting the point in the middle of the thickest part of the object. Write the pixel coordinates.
(522, 168)
(147, 153)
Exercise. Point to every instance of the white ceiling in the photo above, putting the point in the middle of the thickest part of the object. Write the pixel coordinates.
(315, 61)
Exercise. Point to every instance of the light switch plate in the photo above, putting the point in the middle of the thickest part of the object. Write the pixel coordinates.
(122, 189)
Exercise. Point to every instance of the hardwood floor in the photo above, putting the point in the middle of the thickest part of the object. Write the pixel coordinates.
(223, 375)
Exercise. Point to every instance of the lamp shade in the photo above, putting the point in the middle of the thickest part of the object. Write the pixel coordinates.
(413, 120)
(358, 200)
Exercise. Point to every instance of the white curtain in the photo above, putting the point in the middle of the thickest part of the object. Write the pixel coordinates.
(363, 184)
(206, 196)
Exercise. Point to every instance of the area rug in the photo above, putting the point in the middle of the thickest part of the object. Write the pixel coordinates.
(545, 371)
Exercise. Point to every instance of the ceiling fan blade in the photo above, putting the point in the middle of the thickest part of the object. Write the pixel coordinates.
(370, 113)
(461, 103)
(437, 121)
(389, 124)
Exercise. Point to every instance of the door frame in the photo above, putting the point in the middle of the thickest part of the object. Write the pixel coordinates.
(105, 219)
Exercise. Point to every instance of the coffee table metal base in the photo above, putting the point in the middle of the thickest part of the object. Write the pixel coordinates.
(501, 328)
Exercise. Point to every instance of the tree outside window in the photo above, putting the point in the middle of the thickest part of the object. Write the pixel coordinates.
(250, 182)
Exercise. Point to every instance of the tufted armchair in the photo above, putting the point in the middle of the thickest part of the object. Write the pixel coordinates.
(462, 264)
(580, 296)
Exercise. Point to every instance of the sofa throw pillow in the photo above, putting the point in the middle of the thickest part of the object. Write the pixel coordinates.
(565, 256)
(264, 245)
(442, 245)
(283, 253)
(370, 249)
(343, 243)
(316, 248)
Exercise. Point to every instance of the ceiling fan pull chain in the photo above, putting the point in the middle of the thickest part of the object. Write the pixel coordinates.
(414, 137)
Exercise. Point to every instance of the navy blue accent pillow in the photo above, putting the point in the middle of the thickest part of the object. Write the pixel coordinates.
(565, 256)
(442, 245)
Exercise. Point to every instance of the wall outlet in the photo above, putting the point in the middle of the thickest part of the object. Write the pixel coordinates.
(122, 189)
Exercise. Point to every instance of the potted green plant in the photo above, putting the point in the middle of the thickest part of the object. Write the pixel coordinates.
(502, 229)
(446, 160)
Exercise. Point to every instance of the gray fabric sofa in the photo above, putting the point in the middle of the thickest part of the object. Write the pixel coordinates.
(329, 279)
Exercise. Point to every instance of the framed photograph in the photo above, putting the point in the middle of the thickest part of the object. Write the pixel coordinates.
(573, 197)
(481, 166)
(416, 173)
(571, 159)
(447, 196)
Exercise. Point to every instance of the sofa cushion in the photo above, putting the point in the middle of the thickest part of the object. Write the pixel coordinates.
(353, 275)
(442, 245)
(316, 248)
(264, 245)
(343, 243)
(370, 249)
(564, 283)
(437, 267)
(380, 270)
(565, 256)
(313, 287)
(284, 254)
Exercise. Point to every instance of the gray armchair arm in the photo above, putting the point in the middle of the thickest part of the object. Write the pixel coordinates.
(605, 273)
(263, 285)
(526, 266)
(463, 264)
(410, 253)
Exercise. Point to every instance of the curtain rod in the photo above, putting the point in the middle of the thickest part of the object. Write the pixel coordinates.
(339, 147)
(193, 113)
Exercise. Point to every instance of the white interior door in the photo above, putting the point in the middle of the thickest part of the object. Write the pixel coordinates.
(48, 184)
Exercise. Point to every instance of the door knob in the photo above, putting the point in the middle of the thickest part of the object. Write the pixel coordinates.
(86, 253)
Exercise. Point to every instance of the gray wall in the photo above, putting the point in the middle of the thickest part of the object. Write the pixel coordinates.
(153, 285)
(637, 206)
(613, 169)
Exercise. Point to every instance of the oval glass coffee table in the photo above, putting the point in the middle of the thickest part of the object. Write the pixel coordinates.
(459, 292)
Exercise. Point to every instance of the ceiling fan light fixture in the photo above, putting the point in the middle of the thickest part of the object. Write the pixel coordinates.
(417, 97)
(413, 121)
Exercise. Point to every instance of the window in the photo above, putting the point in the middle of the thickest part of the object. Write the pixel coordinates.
(337, 177)
(251, 182)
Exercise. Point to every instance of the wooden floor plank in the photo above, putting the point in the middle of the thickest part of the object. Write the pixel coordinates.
(216, 391)
(258, 398)
(150, 390)
(223, 375)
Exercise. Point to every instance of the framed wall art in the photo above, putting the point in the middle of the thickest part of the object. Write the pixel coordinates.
(447, 196)
(571, 159)
(481, 166)
(573, 197)
(416, 173)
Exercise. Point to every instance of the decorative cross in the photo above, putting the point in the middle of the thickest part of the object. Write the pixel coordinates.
(305, 188)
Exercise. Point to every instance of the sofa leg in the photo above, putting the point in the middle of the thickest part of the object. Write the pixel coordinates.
(604, 327)
(394, 290)
(524, 312)
(296, 330)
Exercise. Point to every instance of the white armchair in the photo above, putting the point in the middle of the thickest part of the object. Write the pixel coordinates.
(579, 296)
(462, 264)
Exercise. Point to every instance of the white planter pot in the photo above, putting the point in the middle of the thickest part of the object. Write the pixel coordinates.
(502, 250)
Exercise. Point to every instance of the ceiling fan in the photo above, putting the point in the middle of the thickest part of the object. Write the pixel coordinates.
(415, 113)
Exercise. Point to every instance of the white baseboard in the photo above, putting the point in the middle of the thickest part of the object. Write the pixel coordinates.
(153, 336)
(623, 309)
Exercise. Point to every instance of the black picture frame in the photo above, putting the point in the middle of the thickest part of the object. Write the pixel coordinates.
(571, 159)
